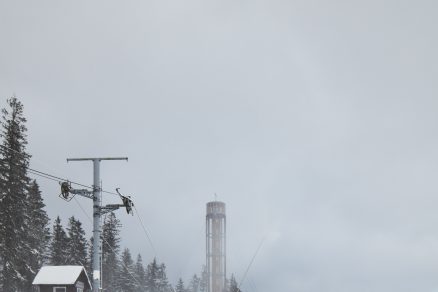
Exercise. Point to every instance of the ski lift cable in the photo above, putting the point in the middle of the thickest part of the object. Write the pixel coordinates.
(57, 179)
(127, 200)
(252, 260)
(43, 176)
(114, 252)
(51, 176)
(83, 210)
(40, 172)
(145, 231)
(148, 236)
(253, 285)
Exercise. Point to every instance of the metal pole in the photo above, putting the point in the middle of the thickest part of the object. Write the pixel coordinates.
(97, 214)
(96, 226)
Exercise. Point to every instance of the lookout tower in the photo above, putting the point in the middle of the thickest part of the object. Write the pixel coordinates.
(216, 246)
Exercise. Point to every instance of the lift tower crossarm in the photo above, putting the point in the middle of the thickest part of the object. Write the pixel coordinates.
(97, 214)
(100, 159)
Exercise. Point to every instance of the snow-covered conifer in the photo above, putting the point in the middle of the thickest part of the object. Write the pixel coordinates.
(14, 184)
(194, 284)
(234, 287)
(110, 253)
(77, 244)
(152, 276)
(180, 286)
(127, 279)
(140, 274)
(156, 278)
(37, 235)
(59, 245)
(163, 282)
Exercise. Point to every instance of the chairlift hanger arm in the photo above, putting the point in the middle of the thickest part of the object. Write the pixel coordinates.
(84, 193)
(67, 192)
(127, 202)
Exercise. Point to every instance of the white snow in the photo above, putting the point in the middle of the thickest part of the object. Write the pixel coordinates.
(51, 275)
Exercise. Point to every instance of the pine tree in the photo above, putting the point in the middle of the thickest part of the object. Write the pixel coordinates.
(194, 284)
(59, 245)
(38, 235)
(77, 244)
(14, 184)
(180, 286)
(110, 253)
(140, 274)
(127, 279)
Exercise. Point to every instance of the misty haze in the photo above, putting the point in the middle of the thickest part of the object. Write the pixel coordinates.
(272, 146)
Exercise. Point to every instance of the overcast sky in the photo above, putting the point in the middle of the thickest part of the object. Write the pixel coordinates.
(314, 121)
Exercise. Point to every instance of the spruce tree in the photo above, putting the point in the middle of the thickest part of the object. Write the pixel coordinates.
(180, 286)
(14, 184)
(234, 287)
(152, 276)
(194, 284)
(156, 278)
(163, 282)
(127, 279)
(110, 253)
(140, 274)
(38, 235)
(59, 245)
(77, 244)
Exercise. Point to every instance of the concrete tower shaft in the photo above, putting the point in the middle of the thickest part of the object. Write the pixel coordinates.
(216, 246)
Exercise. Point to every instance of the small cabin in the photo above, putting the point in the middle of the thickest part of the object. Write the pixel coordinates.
(62, 279)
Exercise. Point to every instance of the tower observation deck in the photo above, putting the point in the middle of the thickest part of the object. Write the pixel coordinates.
(216, 246)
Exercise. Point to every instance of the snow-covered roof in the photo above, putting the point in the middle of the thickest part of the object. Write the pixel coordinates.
(64, 275)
